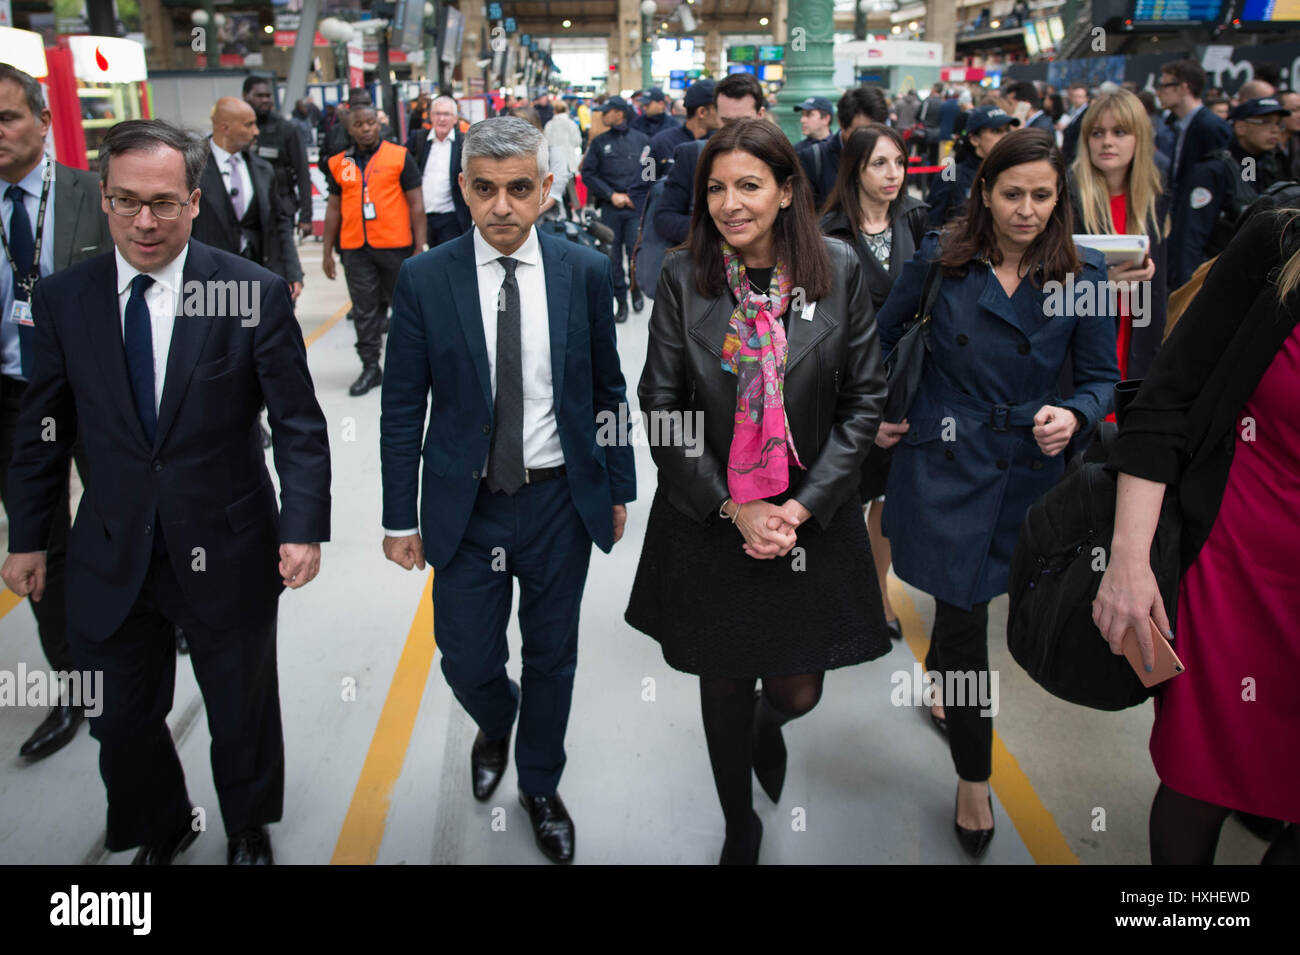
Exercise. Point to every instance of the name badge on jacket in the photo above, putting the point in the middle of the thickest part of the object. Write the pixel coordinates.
(268, 152)
(21, 314)
(808, 310)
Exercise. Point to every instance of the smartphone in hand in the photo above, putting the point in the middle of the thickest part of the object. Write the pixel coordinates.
(1167, 663)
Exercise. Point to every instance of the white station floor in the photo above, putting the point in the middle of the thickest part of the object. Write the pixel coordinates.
(378, 749)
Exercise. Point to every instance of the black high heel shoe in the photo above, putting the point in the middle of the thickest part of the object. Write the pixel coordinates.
(974, 841)
(770, 756)
(736, 853)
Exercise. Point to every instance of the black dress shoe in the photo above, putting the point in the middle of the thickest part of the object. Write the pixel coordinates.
(250, 847)
(487, 761)
(371, 376)
(744, 851)
(182, 643)
(55, 732)
(638, 302)
(974, 841)
(620, 314)
(552, 826)
(895, 628)
(770, 755)
(165, 851)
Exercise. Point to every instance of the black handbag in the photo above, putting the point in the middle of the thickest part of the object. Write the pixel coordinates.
(1060, 557)
(905, 364)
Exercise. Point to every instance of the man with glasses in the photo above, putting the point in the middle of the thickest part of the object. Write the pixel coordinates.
(165, 349)
(1221, 186)
(50, 219)
(437, 152)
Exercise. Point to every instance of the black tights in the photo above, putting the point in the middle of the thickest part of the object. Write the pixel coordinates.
(1185, 831)
(728, 709)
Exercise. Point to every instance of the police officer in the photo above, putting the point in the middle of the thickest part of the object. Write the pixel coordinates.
(1221, 185)
(375, 214)
(656, 117)
(816, 121)
(612, 166)
(279, 144)
(949, 192)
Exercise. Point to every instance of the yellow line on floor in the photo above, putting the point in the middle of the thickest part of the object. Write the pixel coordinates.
(1037, 828)
(363, 828)
(329, 323)
(8, 600)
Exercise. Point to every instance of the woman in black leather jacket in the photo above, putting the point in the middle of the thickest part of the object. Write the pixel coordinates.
(755, 549)
(871, 210)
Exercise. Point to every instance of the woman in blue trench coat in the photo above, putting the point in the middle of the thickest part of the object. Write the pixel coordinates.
(983, 437)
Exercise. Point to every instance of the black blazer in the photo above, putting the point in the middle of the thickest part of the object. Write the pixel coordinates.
(834, 386)
(205, 475)
(1145, 341)
(1203, 376)
(418, 147)
(1205, 134)
(217, 226)
(909, 229)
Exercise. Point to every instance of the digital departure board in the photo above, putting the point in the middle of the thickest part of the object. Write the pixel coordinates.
(1270, 11)
(1177, 11)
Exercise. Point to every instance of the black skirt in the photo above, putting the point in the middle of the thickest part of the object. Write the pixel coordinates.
(718, 612)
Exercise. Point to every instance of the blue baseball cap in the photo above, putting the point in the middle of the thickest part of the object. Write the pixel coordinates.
(614, 102)
(988, 117)
(816, 102)
(700, 93)
(1261, 106)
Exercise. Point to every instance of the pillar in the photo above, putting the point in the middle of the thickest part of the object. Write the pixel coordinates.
(809, 59)
(941, 27)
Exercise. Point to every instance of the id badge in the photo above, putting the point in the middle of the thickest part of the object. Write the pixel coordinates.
(368, 210)
(268, 152)
(21, 314)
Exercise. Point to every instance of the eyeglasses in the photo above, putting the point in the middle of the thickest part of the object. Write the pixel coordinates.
(162, 208)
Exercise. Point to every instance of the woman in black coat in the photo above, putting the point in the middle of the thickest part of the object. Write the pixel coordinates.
(1215, 424)
(870, 209)
(755, 549)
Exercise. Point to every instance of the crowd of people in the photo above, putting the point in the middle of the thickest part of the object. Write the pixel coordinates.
(781, 274)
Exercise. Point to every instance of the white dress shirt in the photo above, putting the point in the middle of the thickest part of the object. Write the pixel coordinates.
(235, 175)
(436, 186)
(161, 299)
(541, 431)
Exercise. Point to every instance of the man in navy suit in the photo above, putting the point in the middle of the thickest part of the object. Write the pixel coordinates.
(165, 350)
(437, 152)
(513, 334)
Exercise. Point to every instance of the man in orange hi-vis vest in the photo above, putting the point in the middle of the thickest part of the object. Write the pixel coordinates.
(375, 214)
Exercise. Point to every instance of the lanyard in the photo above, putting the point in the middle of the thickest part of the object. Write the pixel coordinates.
(28, 282)
(370, 164)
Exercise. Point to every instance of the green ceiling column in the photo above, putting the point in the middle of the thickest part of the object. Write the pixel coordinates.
(809, 60)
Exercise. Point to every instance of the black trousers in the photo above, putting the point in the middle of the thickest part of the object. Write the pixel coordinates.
(236, 671)
(624, 223)
(51, 611)
(959, 644)
(371, 275)
(441, 227)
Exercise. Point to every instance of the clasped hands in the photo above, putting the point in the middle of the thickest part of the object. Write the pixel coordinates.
(769, 531)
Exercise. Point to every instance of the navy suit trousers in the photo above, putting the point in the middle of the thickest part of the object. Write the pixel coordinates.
(537, 536)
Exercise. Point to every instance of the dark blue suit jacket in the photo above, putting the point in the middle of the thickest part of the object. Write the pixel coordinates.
(436, 344)
(205, 474)
(673, 213)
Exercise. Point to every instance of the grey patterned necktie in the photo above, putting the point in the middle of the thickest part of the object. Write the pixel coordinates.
(506, 463)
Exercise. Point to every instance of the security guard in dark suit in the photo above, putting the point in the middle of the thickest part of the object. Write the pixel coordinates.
(279, 144)
(950, 191)
(1221, 185)
(612, 166)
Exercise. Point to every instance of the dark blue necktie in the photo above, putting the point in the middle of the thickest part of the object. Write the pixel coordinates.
(138, 338)
(506, 461)
(22, 246)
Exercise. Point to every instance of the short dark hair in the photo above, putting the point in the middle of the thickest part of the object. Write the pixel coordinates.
(149, 134)
(862, 101)
(738, 86)
(1026, 92)
(858, 150)
(795, 228)
(357, 95)
(1052, 255)
(254, 81)
(1189, 72)
(32, 91)
(1079, 85)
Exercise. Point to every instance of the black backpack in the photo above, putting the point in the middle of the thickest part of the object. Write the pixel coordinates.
(1280, 195)
(1234, 208)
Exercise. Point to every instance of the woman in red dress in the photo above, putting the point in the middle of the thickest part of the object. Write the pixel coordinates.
(1215, 420)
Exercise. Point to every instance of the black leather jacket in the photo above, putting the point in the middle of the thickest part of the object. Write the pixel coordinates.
(834, 387)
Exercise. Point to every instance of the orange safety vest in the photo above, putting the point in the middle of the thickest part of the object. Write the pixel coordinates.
(380, 182)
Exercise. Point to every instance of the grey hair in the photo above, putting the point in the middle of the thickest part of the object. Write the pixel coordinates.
(449, 99)
(32, 91)
(150, 134)
(505, 137)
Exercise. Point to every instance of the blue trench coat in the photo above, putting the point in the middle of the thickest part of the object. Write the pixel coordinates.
(967, 470)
